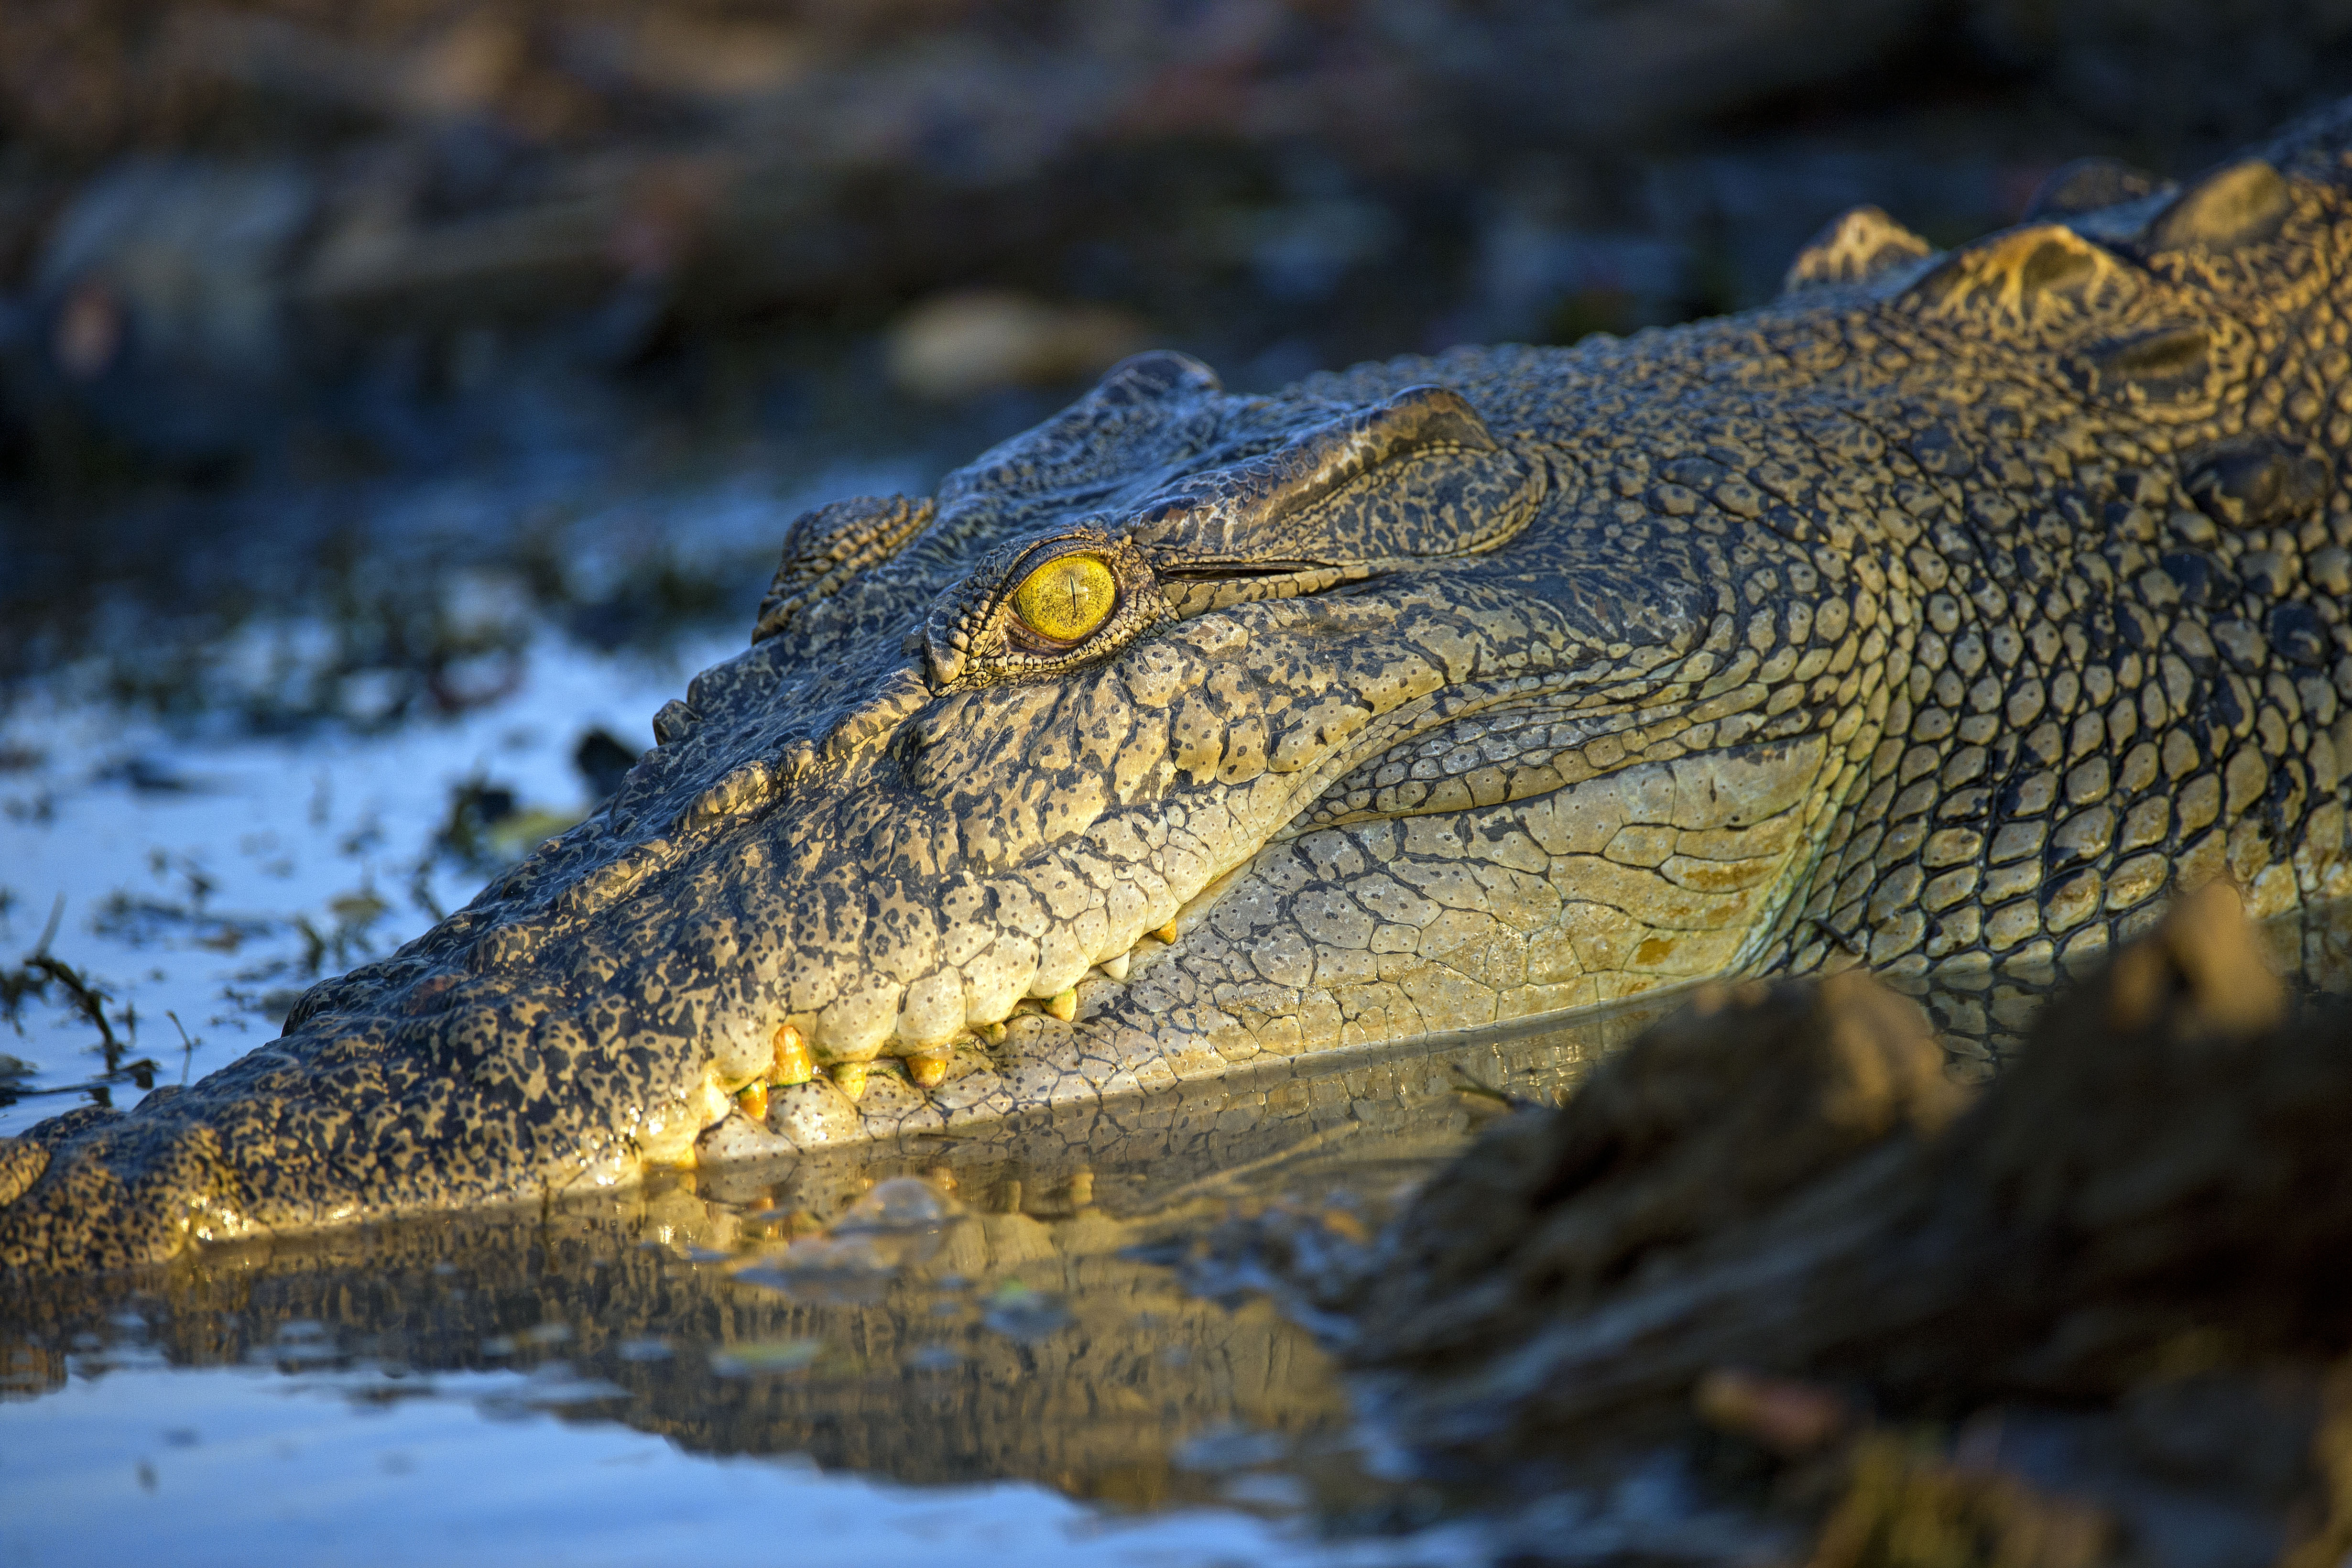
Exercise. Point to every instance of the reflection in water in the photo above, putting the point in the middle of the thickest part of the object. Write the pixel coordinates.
(938, 1310)
(220, 1468)
(935, 1310)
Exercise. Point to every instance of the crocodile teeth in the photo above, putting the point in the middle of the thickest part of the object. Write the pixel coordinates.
(752, 1098)
(993, 1033)
(849, 1077)
(1167, 933)
(928, 1069)
(1115, 967)
(794, 1064)
(1064, 1005)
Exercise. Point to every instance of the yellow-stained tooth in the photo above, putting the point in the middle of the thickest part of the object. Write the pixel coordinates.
(928, 1069)
(753, 1098)
(849, 1077)
(1064, 1005)
(794, 1064)
(1167, 933)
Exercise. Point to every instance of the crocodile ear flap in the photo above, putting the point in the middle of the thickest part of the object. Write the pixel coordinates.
(826, 548)
(1415, 478)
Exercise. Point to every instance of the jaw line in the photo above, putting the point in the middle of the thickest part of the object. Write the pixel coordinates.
(1388, 731)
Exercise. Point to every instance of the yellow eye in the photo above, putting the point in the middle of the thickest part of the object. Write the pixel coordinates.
(1065, 598)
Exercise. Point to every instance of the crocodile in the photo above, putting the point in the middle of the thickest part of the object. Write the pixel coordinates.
(1946, 615)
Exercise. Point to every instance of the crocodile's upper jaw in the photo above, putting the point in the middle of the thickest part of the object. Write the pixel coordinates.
(1878, 623)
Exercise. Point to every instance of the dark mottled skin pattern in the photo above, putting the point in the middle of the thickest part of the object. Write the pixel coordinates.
(1946, 615)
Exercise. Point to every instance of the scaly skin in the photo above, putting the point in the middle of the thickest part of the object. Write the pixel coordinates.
(1948, 613)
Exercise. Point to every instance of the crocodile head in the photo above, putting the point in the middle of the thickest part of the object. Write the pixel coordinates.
(1198, 698)
(1192, 730)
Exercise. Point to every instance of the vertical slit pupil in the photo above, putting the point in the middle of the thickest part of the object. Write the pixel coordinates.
(1066, 599)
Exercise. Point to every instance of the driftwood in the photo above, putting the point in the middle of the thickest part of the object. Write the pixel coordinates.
(1773, 1216)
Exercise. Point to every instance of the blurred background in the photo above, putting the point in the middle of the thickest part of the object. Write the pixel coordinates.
(345, 344)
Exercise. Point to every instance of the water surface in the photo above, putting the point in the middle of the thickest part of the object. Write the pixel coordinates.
(989, 1319)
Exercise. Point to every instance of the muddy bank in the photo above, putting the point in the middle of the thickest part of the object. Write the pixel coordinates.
(1773, 1255)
